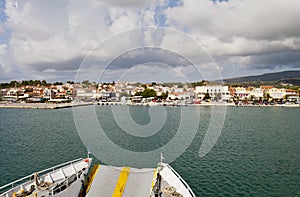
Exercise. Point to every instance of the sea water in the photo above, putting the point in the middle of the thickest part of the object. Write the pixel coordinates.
(256, 153)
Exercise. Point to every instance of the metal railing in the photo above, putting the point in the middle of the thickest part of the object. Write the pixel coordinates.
(182, 180)
(40, 172)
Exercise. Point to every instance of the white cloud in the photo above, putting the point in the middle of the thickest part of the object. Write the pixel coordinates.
(74, 29)
(254, 19)
(240, 35)
(2, 49)
(241, 46)
(131, 3)
(122, 19)
(237, 25)
(148, 18)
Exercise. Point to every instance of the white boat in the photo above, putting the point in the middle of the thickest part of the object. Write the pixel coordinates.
(59, 181)
(70, 180)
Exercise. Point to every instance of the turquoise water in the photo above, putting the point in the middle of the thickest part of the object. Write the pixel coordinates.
(257, 153)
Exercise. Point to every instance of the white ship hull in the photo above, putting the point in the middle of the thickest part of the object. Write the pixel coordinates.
(64, 180)
(70, 180)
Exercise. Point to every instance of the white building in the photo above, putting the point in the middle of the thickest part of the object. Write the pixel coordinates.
(276, 93)
(292, 95)
(257, 93)
(2, 93)
(216, 92)
(180, 95)
(85, 93)
(242, 93)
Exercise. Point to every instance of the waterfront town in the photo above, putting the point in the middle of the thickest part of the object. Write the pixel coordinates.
(133, 93)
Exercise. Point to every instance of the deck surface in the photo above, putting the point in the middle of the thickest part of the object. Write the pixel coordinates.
(117, 181)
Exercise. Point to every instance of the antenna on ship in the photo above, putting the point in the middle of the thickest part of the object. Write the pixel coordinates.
(160, 164)
(157, 188)
(161, 158)
(88, 153)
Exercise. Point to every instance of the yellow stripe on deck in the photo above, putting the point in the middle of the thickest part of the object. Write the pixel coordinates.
(154, 178)
(120, 187)
(91, 177)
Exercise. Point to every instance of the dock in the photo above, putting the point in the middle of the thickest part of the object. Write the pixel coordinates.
(44, 105)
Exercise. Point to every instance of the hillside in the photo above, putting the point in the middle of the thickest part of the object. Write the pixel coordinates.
(283, 77)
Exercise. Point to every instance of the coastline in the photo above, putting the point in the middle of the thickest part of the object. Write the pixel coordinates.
(233, 105)
(204, 104)
(80, 104)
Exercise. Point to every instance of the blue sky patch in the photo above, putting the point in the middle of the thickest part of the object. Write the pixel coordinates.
(2, 14)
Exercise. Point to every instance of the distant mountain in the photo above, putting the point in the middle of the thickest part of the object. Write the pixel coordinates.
(285, 76)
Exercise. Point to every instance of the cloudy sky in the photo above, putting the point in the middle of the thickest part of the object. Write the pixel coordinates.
(149, 40)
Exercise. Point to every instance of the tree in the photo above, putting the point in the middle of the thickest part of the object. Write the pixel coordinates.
(86, 82)
(199, 83)
(13, 83)
(148, 93)
(164, 95)
(138, 94)
(206, 96)
(70, 82)
(4, 85)
(57, 83)
(180, 85)
(235, 85)
(168, 85)
(36, 82)
(24, 83)
(251, 97)
(267, 97)
(44, 83)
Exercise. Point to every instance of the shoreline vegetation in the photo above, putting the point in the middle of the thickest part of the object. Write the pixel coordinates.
(80, 104)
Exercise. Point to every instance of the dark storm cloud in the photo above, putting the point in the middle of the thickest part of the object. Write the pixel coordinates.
(127, 60)
(145, 55)
(288, 59)
(67, 65)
